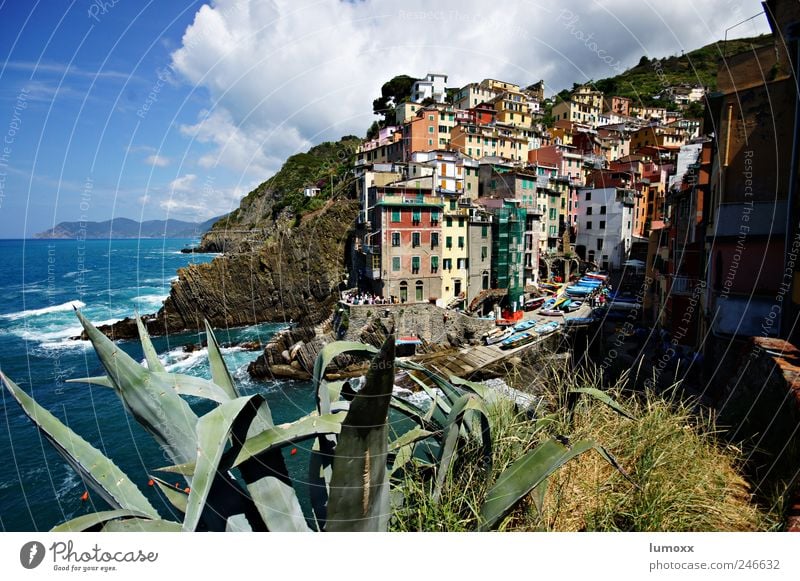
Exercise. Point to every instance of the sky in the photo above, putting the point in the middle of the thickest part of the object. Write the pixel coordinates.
(156, 110)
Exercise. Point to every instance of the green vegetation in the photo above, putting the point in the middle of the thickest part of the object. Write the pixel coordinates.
(325, 166)
(583, 459)
(648, 78)
(668, 472)
(393, 92)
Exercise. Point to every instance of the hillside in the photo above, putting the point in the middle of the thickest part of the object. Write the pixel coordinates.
(648, 78)
(127, 228)
(324, 166)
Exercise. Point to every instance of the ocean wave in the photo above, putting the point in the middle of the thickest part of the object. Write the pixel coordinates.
(43, 311)
(150, 300)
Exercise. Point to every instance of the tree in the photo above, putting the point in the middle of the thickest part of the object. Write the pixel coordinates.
(643, 62)
(393, 92)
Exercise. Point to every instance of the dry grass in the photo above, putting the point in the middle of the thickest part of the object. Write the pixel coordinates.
(685, 478)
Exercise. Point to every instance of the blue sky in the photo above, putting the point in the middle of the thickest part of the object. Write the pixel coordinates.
(178, 109)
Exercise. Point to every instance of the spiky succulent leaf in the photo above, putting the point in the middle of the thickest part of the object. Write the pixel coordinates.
(155, 405)
(213, 430)
(219, 370)
(100, 473)
(191, 385)
(141, 525)
(101, 380)
(306, 427)
(93, 520)
(238, 523)
(177, 497)
(359, 489)
(150, 354)
(328, 354)
(524, 475)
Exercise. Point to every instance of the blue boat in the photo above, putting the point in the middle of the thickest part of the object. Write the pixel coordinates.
(580, 291)
(524, 325)
(579, 321)
(545, 328)
(517, 340)
(589, 282)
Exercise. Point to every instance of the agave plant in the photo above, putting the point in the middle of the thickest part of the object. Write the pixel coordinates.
(458, 418)
(232, 457)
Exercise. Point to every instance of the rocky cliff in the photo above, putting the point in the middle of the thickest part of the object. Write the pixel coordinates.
(284, 253)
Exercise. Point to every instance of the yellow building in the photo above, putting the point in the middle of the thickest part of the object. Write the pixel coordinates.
(512, 109)
(479, 141)
(455, 250)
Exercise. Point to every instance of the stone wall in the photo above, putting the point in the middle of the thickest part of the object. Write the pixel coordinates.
(428, 322)
(762, 405)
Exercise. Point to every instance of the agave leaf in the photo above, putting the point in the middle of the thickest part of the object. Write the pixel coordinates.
(524, 475)
(160, 411)
(328, 354)
(101, 380)
(141, 525)
(150, 354)
(186, 469)
(278, 505)
(219, 371)
(451, 392)
(92, 520)
(213, 430)
(176, 496)
(320, 470)
(410, 437)
(441, 407)
(302, 429)
(605, 398)
(238, 523)
(487, 394)
(466, 404)
(359, 489)
(416, 413)
(100, 473)
(190, 385)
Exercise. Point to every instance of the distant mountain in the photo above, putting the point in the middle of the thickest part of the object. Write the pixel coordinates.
(126, 228)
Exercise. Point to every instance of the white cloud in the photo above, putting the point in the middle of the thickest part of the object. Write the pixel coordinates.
(157, 160)
(185, 183)
(285, 74)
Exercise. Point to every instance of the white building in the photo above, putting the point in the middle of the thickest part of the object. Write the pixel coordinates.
(431, 87)
(605, 225)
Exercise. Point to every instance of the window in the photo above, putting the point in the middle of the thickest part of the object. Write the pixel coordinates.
(484, 252)
(430, 128)
(395, 238)
(448, 221)
(415, 264)
(403, 291)
(457, 287)
(434, 239)
(418, 291)
(395, 264)
(434, 264)
(589, 211)
(461, 242)
(552, 213)
(599, 243)
(602, 209)
(461, 222)
(589, 225)
(448, 242)
(415, 216)
(434, 217)
(462, 263)
(442, 129)
(447, 264)
(452, 207)
(588, 196)
(484, 231)
(396, 215)
(485, 280)
(602, 224)
(415, 239)
(430, 117)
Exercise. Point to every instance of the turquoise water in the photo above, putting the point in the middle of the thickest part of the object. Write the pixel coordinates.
(40, 281)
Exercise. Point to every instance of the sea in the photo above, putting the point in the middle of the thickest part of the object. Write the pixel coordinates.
(41, 281)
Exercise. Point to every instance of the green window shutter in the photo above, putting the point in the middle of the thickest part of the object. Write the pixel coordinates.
(484, 231)
(415, 263)
(434, 262)
(448, 241)
(416, 215)
(396, 215)
(395, 263)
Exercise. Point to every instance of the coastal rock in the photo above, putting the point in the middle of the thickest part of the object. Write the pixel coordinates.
(294, 275)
